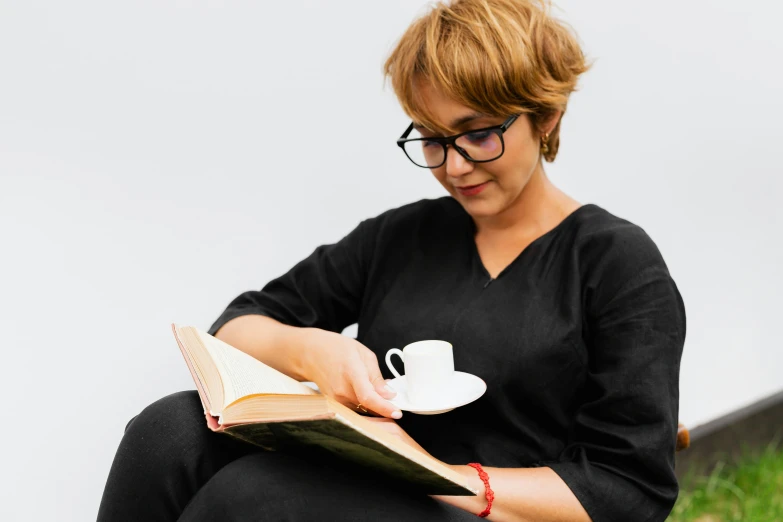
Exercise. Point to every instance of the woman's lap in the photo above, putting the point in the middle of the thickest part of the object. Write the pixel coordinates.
(283, 486)
(169, 463)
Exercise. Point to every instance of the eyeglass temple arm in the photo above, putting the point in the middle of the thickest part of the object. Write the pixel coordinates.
(405, 134)
(508, 122)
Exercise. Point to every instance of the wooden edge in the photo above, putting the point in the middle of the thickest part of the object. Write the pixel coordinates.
(683, 437)
(730, 438)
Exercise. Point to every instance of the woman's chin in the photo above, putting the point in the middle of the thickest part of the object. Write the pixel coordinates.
(480, 208)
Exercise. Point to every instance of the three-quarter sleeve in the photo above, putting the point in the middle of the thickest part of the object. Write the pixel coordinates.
(324, 290)
(619, 461)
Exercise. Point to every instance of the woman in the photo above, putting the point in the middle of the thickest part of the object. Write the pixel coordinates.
(566, 311)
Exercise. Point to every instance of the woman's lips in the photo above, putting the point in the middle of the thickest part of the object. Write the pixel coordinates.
(472, 190)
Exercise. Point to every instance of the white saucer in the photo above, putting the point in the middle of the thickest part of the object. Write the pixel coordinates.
(465, 388)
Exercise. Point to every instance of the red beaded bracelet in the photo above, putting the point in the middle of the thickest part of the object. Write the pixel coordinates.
(489, 493)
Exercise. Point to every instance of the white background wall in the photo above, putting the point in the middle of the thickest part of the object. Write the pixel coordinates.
(159, 157)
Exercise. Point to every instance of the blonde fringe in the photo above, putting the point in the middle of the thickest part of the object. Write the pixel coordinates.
(499, 57)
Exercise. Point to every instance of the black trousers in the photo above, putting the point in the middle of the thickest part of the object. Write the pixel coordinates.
(170, 466)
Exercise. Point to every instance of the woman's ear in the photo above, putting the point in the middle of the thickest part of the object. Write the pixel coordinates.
(550, 123)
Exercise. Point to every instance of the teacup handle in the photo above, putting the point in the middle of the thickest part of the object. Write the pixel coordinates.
(389, 363)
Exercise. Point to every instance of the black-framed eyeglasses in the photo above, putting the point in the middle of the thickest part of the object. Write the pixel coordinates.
(477, 146)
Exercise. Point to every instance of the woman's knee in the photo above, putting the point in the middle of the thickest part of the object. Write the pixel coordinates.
(181, 409)
(167, 427)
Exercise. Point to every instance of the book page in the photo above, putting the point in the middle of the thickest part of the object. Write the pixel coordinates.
(243, 375)
(202, 368)
(198, 376)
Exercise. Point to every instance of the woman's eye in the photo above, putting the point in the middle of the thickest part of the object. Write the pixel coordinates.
(427, 143)
(478, 137)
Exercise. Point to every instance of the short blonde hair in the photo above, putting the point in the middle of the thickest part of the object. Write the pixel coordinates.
(498, 57)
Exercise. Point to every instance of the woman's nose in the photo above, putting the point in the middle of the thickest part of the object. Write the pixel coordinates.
(456, 164)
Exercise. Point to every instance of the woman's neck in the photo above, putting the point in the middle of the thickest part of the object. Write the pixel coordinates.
(539, 208)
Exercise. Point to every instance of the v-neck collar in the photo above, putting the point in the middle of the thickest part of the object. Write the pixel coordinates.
(476, 257)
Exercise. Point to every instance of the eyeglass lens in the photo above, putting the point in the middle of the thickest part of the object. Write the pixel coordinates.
(479, 146)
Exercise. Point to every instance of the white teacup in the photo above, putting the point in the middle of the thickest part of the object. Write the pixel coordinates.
(429, 369)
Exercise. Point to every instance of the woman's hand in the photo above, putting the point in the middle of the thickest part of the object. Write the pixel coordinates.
(347, 371)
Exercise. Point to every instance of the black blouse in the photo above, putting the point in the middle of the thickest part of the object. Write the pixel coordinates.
(579, 341)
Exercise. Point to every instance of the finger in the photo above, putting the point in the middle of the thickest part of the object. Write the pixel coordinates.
(383, 388)
(367, 396)
(376, 379)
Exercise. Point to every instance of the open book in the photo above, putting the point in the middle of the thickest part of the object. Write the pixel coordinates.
(251, 401)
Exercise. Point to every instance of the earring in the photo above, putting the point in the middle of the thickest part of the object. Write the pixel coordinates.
(544, 143)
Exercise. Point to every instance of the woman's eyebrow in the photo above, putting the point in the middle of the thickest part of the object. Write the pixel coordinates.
(462, 120)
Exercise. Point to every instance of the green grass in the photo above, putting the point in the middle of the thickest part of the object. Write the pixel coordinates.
(750, 490)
